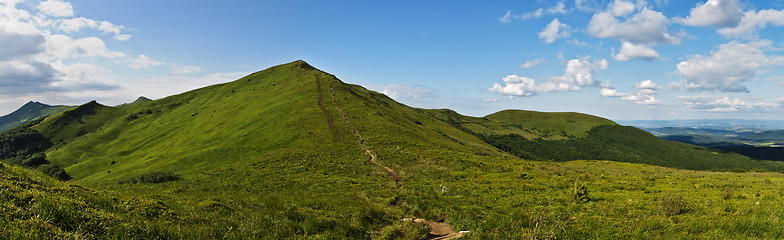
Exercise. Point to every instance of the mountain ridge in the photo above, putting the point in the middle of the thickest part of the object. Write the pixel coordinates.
(298, 151)
(29, 112)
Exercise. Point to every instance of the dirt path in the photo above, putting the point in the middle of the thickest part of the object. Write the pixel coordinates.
(438, 230)
(335, 133)
(361, 140)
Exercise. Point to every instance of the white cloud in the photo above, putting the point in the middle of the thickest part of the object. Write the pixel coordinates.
(77, 24)
(727, 69)
(506, 18)
(62, 46)
(577, 74)
(179, 69)
(715, 13)
(82, 76)
(122, 37)
(553, 31)
(487, 100)
(559, 8)
(644, 27)
(516, 86)
(532, 63)
(753, 21)
(109, 27)
(646, 84)
(622, 8)
(646, 93)
(724, 104)
(56, 8)
(586, 5)
(395, 91)
(19, 39)
(143, 61)
(611, 92)
(630, 51)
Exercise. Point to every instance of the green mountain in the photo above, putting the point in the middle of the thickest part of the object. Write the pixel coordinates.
(293, 152)
(28, 112)
(138, 101)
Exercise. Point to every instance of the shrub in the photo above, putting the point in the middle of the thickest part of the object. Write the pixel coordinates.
(673, 205)
(54, 171)
(727, 194)
(155, 177)
(580, 193)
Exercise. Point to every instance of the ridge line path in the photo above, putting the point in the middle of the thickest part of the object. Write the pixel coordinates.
(438, 230)
(361, 140)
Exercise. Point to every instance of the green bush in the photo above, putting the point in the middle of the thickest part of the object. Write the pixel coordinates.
(673, 205)
(154, 177)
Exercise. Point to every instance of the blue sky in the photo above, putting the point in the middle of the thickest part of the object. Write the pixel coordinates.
(622, 60)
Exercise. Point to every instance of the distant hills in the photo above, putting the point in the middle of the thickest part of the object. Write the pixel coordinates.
(758, 139)
(28, 112)
(723, 124)
(293, 151)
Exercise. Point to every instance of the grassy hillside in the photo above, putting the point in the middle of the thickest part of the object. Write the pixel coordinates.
(27, 113)
(293, 152)
(629, 144)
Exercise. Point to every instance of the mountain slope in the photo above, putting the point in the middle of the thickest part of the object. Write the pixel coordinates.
(28, 112)
(293, 152)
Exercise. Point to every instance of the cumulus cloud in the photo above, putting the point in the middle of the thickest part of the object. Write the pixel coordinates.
(559, 8)
(611, 92)
(532, 63)
(19, 39)
(577, 74)
(56, 8)
(753, 21)
(81, 76)
(25, 76)
(726, 69)
(622, 8)
(630, 51)
(724, 104)
(77, 24)
(646, 93)
(714, 13)
(646, 84)
(143, 61)
(62, 46)
(644, 27)
(33, 58)
(553, 31)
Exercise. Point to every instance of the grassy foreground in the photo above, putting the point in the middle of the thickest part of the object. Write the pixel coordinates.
(571, 200)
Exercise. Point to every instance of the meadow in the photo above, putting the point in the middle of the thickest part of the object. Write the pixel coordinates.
(286, 153)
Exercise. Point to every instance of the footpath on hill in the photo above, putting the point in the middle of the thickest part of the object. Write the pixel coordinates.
(439, 230)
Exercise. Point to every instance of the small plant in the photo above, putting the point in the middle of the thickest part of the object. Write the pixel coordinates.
(580, 193)
(727, 194)
(673, 205)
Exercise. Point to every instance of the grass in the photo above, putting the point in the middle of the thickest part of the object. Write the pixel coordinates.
(274, 155)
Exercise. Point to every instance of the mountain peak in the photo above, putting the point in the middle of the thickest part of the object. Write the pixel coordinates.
(142, 99)
(34, 104)
(302, 64)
